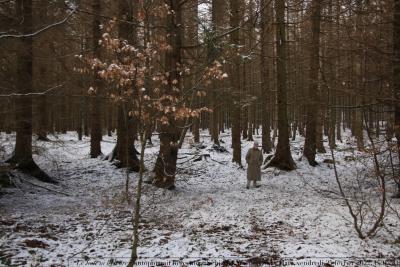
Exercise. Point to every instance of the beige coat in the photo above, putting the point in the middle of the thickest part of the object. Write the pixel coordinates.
(254, 159)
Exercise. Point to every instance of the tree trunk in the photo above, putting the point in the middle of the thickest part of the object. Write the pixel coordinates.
(235, 82)
(310, 144)
(359, 83)
(124, 151)
(265, 28)
(250, 88)
(283, 157)
(22, 156)
(41, 77)
(95, 101)
(42, 106)
(396, 73)
(110, 116)
(320, 133)
(218, 11)
(191, 38)
(165, 168)
(136, 217)
(244, 112)
(333, 76)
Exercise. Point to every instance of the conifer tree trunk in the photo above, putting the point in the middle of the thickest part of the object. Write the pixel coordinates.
(333, 78)
(266, 16)
(124, 151)
(41, 81)
(359, 98)
(86, 118)
(235, 82)
(42, 104)
(95, 109)
(320, 130)
(165, 168)
(250, 76)
(244, 111)
(310, 144)
(22, 155)
(218, 9)
(191, 38)
(23, 116)
(339, 115)
(282, 158)
(110, 116)
(396, 74)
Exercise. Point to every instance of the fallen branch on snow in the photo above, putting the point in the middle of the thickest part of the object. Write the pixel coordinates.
(43, 187)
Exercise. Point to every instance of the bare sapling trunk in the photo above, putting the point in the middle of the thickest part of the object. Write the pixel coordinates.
(356, 212)
(136, 214)
(381, 176)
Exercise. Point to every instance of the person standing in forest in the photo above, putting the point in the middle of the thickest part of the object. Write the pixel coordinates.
(254, 159)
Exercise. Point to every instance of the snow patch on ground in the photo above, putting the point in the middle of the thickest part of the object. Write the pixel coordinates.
(296, 214)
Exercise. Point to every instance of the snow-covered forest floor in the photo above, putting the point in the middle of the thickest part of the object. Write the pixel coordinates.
(296, 214)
